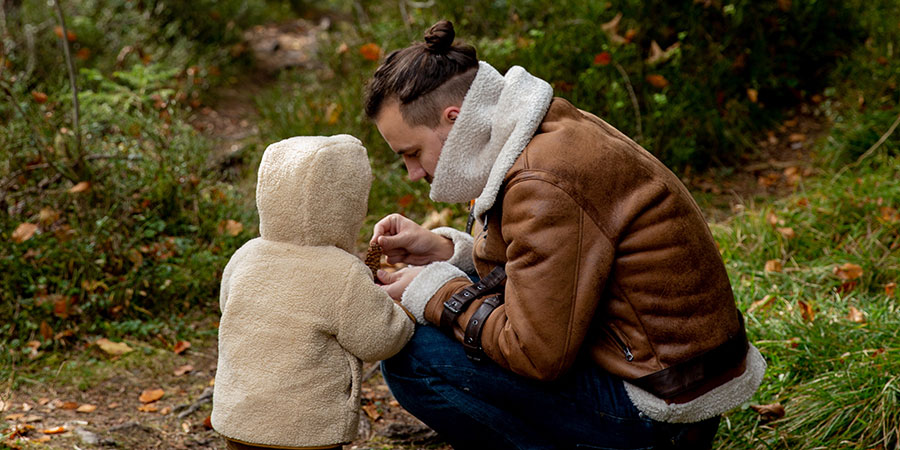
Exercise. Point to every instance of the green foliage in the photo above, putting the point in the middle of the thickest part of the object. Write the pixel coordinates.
(147, 239)
(783, 51)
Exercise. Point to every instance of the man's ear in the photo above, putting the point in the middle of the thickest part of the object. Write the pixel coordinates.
(449, 114)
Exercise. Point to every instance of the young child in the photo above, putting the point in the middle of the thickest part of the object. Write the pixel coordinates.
(299, 309)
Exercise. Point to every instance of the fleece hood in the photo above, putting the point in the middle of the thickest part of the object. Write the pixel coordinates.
(313, 191)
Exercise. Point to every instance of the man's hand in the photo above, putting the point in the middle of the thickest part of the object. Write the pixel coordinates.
(405, 241)
(394, 283)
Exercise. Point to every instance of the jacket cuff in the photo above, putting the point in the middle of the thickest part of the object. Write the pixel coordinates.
(462, 248)
(713, 403)
(425, 285)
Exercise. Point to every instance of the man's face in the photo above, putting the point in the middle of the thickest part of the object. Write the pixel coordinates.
(419, 146)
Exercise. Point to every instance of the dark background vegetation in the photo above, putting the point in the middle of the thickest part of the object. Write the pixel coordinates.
(138, 251)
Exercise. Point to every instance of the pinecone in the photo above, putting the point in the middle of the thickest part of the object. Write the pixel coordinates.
(373, 258)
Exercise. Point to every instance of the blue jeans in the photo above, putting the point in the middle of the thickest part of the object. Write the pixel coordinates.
(481, 405)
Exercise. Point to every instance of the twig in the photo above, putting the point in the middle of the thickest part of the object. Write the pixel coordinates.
(371, 371)
(189, 409)
(361, 12)
(71, 66)
(881, 140)
(404, 16)
(29, 44)
(634, 101)
(884, 137)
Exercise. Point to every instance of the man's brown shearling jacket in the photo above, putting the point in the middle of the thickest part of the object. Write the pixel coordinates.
(606, 253)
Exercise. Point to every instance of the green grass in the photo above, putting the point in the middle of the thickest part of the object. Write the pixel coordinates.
(837, 378)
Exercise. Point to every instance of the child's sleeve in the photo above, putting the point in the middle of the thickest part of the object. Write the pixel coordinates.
(371, 325)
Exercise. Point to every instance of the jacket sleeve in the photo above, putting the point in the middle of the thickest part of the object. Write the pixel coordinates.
(558, 261)
(371, 325)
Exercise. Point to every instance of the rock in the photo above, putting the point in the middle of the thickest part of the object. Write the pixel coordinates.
(414, 433)
(88, 437)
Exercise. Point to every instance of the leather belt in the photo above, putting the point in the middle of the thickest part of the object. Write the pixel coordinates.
(690, 374)
(459, 302)
(472, 339)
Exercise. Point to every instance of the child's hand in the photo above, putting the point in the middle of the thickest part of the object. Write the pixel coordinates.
(394, 283)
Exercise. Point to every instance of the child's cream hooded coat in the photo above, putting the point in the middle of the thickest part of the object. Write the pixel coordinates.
(299, 309)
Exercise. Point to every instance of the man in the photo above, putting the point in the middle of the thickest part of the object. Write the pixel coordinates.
(603, 315)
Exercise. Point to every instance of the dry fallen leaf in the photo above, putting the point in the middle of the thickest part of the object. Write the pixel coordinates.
(38, 96)
(181, 370)
(232, 227)
(602, 58)
(856, 315)
(611, 29)
(847, 286)
(787, 232)
(658, 55)
(890, 289)
(207, 423)
(83, 186)
(181, 346)
(806, 311)
(372, 411)
(773, 265)
(69, 405)
(14, 417)
(165, 411)
(889, 214)
(112, 348)
(769, 412)
(45, 330)
(796, 137)
(55, 430)
(658, 81)
(765, 303)
(148, 408)
(32, 418)
(437, 219)
(848, 271)
(48, 215)
(86, 408)
(151, 395)
(752, 95)
(23, 232)
(113, 405)
(773, 219)
(333, 113)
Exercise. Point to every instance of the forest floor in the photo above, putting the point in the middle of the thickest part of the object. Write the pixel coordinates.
(99, 400)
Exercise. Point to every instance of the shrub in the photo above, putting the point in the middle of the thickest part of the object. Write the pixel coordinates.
(721, 71)
(144, 230)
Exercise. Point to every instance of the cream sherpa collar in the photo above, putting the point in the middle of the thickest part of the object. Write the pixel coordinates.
(497, 119)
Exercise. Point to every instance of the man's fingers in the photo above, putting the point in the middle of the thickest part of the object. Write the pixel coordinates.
(392, 244)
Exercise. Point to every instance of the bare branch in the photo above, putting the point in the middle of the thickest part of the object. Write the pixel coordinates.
(71, 66)
(634, 101)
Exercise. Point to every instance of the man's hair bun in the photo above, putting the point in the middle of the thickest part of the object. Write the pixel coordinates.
(439, 38)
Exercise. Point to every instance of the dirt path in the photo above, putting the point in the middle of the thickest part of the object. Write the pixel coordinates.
(100, 400)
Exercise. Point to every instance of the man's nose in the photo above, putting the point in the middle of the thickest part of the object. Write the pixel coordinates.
(414, 170)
